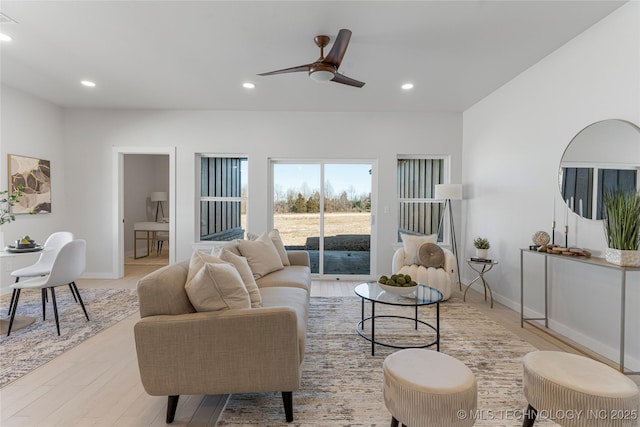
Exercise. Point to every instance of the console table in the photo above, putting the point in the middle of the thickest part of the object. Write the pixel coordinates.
(594, 261)
(149, 230)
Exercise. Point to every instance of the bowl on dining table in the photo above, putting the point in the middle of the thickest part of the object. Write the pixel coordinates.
(20, 245)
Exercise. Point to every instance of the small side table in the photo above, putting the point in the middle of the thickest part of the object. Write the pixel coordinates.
(480, 267)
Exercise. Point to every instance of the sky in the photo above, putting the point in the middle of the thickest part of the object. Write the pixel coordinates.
(340, 176)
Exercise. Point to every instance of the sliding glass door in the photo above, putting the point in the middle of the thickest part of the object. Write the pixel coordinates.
(325, 209)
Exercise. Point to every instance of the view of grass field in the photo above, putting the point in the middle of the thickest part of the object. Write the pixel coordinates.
(296, 227)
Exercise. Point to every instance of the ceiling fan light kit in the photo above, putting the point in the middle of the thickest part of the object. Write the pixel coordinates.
(325, 69)
(321, 76)
(322, 73)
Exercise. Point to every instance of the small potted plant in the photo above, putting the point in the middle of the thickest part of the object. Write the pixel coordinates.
(622, 227)
(6, 202)
(482, 247)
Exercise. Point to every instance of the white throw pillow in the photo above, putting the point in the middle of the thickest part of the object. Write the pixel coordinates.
(214, 285)
(411, 245)
(218, 246)
(252, 236)
(279, 244)
(246, 274)
(261, 254)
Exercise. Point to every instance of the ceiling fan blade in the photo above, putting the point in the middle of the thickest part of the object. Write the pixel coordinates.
(339, 48)
(341, 78)
(288, 70)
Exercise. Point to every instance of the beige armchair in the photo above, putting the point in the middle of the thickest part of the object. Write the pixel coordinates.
(442, 279)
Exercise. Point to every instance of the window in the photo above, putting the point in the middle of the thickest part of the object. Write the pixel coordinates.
(577, 184)
(223, 197)
(583, 187)
(419, 213)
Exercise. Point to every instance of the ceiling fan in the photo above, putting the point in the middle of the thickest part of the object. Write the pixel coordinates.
(326, 69)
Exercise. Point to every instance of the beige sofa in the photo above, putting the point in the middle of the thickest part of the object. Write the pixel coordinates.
(181, 351)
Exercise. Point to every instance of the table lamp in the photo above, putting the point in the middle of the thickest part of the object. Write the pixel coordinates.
(159, 197)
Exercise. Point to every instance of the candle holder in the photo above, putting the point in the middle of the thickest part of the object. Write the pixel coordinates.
(553, 232)
(566, 236)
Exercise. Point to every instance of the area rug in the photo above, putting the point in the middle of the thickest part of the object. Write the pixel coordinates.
(342, 382)
(28, 348)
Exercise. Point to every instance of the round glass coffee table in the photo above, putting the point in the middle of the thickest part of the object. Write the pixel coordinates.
(422, 296)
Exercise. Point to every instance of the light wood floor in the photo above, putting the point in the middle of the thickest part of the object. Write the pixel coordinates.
(97, 382)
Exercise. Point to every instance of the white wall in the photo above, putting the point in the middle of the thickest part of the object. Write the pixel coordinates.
(32, 127)
(512, 144)
(91, 134)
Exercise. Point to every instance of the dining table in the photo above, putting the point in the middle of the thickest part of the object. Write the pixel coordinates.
(6, 254)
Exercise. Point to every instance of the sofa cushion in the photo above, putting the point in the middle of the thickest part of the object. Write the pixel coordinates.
(293, 276)
(261, 254)
(294, 298)
(411, 245)
(243, 268)
(217, 286)
(431, 255)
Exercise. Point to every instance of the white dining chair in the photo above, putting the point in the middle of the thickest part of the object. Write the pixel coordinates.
(43, 265)
(67, 267)
(159, 238)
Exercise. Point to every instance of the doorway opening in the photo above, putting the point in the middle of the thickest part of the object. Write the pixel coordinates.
(144, 192)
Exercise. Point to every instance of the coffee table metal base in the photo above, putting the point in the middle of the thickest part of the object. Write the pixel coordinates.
(360, 329)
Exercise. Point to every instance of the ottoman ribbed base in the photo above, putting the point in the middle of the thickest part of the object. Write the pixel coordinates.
(577, 391)
(425, 388)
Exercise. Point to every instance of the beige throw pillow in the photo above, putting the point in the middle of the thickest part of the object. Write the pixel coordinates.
(214, 285)
(197, 261)
(411, 245)
(431, 255)
(246, 274)
(261, 254)
(279, 244)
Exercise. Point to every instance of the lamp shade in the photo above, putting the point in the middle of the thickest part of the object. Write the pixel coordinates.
(448, 191)
(159, 196)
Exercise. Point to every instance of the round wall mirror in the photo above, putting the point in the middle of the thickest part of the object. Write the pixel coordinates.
(603, 156)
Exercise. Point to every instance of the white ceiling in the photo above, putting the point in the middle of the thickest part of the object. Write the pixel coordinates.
(196, 54)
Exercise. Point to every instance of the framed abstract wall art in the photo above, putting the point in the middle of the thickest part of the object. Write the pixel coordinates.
(34, 176)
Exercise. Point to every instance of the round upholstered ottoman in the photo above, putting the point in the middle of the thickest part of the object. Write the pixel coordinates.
(425, 388)
(577, 391)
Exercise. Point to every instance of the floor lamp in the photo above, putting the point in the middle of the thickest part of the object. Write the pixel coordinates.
(449, 192)
(159, 197)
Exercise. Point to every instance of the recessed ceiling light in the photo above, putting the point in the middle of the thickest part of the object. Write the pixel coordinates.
(5, 38)
(407, 86)
(88, 83)
(248, 85)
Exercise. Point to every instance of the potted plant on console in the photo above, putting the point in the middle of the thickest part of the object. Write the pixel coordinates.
(622, 227)
(482, 247)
